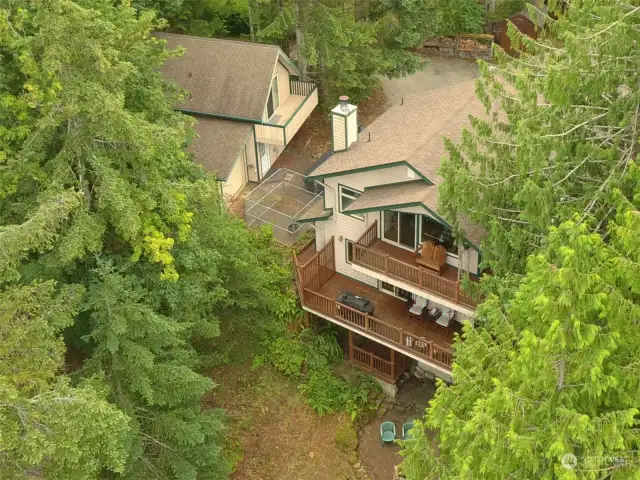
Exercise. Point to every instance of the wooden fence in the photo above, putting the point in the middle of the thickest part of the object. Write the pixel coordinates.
(461, 46)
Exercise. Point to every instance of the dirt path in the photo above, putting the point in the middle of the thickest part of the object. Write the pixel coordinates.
(279, 435)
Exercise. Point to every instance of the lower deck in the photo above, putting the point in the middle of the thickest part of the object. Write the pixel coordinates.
(391, 310)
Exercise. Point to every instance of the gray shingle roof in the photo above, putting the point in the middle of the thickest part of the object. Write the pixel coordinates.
(218, 144)
(418, 191)
(412, 132)
(223, 77)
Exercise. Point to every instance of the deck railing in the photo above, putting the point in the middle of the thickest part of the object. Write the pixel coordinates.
(376, 365)
(301, 114)
(419, 346)
(411, 274)
(314, 273)
(320, 268)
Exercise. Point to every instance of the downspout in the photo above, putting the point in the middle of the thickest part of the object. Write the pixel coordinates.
(324, 238)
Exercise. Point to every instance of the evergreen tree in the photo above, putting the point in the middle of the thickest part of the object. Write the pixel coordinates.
(98, 198)
(551, 373)
(567, 130)
(551, 368)
(49, 429)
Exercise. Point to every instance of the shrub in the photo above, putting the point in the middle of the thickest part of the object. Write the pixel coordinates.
(346, 439)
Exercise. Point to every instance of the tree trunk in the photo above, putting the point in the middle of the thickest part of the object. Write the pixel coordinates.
(250, 12)
(302, 61)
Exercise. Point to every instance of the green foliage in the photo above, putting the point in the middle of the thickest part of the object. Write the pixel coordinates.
(551, 367)
(346, 439)
(563, 139)
(504, 9)
(49, 428)
(204, 18)
(308, 358)
(111, 235)
(450, 18)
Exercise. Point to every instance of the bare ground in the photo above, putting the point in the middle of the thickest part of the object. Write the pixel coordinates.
(279, 435)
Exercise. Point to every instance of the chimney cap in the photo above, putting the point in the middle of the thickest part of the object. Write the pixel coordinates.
(344, 102)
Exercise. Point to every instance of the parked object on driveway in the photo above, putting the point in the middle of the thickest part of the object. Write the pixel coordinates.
(387, 432)
(354, 301)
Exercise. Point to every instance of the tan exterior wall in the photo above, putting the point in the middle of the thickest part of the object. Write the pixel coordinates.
(252, 167)
(283, 82)
(237, 179)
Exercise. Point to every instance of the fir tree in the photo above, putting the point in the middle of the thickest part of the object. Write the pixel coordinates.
(567, 130)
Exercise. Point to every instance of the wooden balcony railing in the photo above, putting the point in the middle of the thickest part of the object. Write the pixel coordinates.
(374, 364)
(300, 87)
(354, 319)
(303, 111)
(311, 275)
(411, 274)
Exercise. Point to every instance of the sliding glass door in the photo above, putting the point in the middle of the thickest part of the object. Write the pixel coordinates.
(399, 228)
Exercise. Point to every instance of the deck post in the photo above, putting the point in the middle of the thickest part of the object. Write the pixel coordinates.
(393, 362)
(307, 319)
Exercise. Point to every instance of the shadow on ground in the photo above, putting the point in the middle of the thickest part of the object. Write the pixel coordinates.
(413, 397)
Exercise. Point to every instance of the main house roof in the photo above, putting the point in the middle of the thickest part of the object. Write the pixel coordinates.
(223, 77)
(412, 134)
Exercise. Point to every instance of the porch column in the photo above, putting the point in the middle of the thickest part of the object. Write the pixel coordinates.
(350, 345)
(393, 364)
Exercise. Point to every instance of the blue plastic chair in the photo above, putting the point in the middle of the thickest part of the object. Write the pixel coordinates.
(405, 430)
(387, 432)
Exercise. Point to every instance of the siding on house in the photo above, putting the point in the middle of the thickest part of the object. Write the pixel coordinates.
(351, 228)
(339, 130)
(283, 82)
(252, 167)
(237, 178)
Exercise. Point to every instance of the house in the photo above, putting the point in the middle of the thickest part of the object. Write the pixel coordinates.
(247, 101)
(378, 214)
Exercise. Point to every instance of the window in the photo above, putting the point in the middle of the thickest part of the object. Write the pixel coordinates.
(435, 232)
(273, 101)
(399, 228)
(347, 197)
(348, 245)
(395, 291)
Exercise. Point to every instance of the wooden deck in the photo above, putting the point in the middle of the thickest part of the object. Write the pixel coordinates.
(318, 285)
(397, 263)
(391, 310)
(449, 273)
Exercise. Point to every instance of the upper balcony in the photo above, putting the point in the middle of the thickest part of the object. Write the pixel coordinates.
(290, 114)
(388, 262)
(318, 286)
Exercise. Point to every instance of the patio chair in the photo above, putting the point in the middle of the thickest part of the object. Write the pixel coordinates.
(416, 310)
(387, 432)
(405, 430)
(445, 319)
(432, 257)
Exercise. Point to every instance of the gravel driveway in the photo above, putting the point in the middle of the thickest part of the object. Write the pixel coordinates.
(440, 72)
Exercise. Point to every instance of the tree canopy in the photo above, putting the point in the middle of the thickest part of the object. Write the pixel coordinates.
(115, 244)
(550, 370)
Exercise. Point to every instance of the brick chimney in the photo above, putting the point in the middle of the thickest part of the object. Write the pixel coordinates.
(344, 125)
